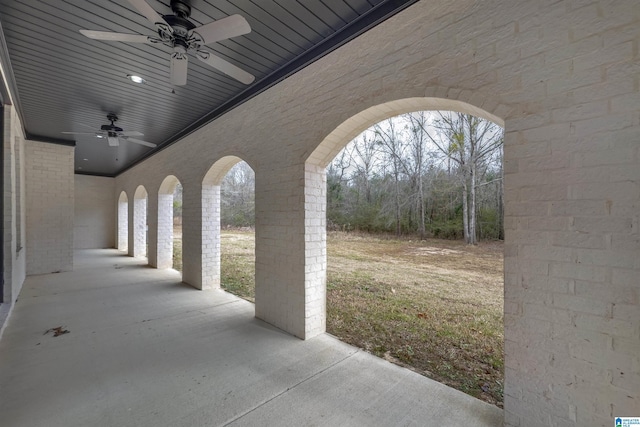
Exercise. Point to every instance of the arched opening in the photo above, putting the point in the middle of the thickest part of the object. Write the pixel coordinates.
(406, 299)
(211, 220)
(140, 227)
(123, 222)
(237, 220)
(167, 242)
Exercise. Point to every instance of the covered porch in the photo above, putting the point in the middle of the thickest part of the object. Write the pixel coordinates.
(144, 349)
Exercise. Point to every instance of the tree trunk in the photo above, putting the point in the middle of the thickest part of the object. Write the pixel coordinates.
(422, 208)
(501, 203)
(472, 209)
(465, 211)
(397, 206)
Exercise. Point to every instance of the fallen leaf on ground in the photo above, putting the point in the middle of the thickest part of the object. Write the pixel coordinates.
(57, 331)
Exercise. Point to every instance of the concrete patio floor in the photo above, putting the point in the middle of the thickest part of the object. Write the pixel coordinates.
(145, 350)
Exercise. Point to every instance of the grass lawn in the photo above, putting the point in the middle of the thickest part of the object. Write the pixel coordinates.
(432, 306)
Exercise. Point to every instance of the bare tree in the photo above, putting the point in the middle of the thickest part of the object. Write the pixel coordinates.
(365, 152)
(419, 170)
(392, 146)
(417, 148)
(469, 142)
(237, 196)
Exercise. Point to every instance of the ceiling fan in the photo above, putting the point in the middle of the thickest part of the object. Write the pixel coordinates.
(113, 134)
(177, 32)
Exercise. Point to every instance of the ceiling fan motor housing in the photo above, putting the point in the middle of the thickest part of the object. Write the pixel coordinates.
(179, 23)
(181, 8)
(111, 128)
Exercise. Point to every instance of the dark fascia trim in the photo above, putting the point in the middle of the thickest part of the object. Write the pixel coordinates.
(40, 138)
(9, 87)
(361, 25)
(103, 175)
(2, 170)
(5, 99)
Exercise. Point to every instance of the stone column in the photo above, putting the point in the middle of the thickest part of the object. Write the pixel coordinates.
(164, 230)
(290, 250)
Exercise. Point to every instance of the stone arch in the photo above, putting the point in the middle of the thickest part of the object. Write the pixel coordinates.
(164, 247)
(122, 238)
(335, 141)
(315, 238)
(139, 226)
(219, 169)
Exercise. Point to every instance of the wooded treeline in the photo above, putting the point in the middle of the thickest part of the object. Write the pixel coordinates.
(425, 173)
(428, 174)
(237, 197)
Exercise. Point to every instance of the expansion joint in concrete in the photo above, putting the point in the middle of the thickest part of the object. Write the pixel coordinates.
(288, 389)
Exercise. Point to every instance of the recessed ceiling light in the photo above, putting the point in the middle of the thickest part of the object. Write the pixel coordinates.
(100, 136)
(136, 79)
(85, 159)
(79, 167)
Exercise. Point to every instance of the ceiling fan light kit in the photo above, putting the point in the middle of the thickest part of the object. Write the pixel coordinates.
(112, 139)
(182, 35)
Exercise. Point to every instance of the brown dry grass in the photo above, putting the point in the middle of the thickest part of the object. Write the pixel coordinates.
(432, 306)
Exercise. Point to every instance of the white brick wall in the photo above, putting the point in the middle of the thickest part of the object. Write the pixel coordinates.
(123, 222)
(165, 231)
(139, 224)
(94, 215)
(164, 248)
(281, 281)
(315, 249)
(49, 207)
(563, 76)
(151, 220)
(192, 222)
(210, 236)
(14, 213)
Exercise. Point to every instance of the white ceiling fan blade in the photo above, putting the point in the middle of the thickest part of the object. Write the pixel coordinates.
(131, 133)
(179, 63)
(115, 37)
(225, 28)
(149, 13)
(141, 142)
(226, 67)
